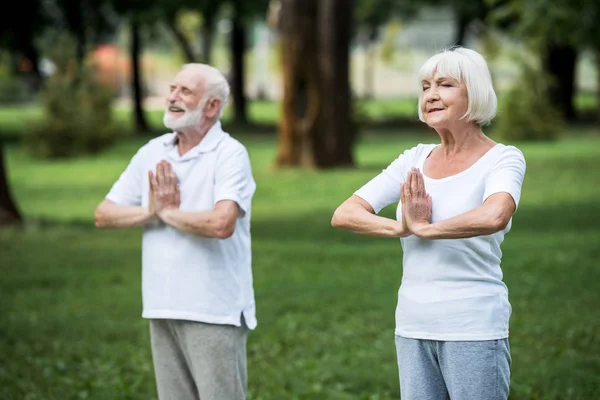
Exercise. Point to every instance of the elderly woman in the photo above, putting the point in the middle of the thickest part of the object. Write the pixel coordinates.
(455, 200)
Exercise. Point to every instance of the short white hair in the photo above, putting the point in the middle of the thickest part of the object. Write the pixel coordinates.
(469, 67)
(216, 84)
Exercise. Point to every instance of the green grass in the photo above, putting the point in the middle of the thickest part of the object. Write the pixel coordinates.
(70, 298)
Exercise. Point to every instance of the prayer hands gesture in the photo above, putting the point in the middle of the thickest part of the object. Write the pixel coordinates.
(416, 203)
(164, 188)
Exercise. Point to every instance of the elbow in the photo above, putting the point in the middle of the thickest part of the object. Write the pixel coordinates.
(99, 218)
(499, 222)
(224, 229)
(338, 220)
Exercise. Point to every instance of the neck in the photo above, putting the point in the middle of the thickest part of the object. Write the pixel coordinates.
(190, 137)
(465, 137)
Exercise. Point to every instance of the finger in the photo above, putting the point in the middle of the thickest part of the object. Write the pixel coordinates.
(159, 175)
(407, 184)
(402, 193)
(414, 186)
(167, 172)
(420, 182)
(153, 181)
(172, 176)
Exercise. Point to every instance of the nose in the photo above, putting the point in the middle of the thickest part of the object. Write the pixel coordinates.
(172, 96)
(432, 94)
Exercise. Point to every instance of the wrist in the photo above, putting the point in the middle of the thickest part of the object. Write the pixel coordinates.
(422, 229)
(401, 230)
(165, 212)
(149, 215)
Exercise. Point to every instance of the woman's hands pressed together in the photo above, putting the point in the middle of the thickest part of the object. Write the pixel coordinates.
(416, 203)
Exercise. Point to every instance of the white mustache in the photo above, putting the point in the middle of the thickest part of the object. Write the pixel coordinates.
(178, 105)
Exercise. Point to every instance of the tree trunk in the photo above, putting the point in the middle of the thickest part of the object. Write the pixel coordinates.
(238, 50)
(461, 29)
(315, 129)
(301, 86)
(31, 53)
(598, 83)
(75, 16)
(560, 62)
(208, 34)
(333, 146)
(9, 214)
(182, 40)
(141, 125)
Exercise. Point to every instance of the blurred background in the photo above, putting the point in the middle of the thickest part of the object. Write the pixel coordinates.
(324, 96)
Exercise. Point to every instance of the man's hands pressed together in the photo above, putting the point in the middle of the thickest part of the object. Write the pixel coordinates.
(164, 189)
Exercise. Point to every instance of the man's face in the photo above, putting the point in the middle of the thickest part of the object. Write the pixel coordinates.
(184, 106)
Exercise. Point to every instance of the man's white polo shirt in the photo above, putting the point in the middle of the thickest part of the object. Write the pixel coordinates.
(186, 276)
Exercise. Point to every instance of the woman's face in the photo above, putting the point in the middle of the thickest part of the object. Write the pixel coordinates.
(443, 101)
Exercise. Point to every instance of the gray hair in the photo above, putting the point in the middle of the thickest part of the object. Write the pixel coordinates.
(216, 84)
(469, 67)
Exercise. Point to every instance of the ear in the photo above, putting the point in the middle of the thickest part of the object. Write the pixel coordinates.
(212, 107)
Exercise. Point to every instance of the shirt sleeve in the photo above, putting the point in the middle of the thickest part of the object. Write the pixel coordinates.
(384, 189)
(234, 180)
(127, 190)
(507, 175)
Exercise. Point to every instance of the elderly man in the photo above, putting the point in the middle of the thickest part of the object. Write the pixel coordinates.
(191, 191)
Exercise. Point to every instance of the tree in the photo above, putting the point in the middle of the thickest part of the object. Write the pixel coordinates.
(18, 35)
(169, 11)
(141, 124)
(9, 214)
(316, 129)
(558, 30)
(238, 70)
(242, 13)
(139, 14)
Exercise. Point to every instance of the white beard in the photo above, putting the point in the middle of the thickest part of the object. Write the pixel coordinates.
(187, 120)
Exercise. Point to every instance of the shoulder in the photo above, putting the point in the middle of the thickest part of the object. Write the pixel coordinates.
(510, 154)
(232, 147)
(149, 148)
(156, 144)
(414, 153)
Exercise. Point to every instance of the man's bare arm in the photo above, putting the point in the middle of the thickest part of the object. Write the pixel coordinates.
(111, 215)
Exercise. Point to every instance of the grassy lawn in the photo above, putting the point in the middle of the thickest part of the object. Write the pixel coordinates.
(70, 296)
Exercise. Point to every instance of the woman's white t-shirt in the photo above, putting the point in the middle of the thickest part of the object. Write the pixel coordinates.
(452, 289)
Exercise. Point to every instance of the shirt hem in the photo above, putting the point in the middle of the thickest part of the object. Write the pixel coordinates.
(451, 336)
(208, 319)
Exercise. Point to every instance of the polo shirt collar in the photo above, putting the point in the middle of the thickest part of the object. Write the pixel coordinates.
(209, 142)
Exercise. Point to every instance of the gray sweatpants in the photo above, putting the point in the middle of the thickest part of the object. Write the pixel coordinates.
(441, 370)
(194, 360)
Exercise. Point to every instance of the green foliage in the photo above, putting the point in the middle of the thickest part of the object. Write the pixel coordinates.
(525, 112)
(547, 21)
(70, 322)
(77, 110)
(13, 89)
